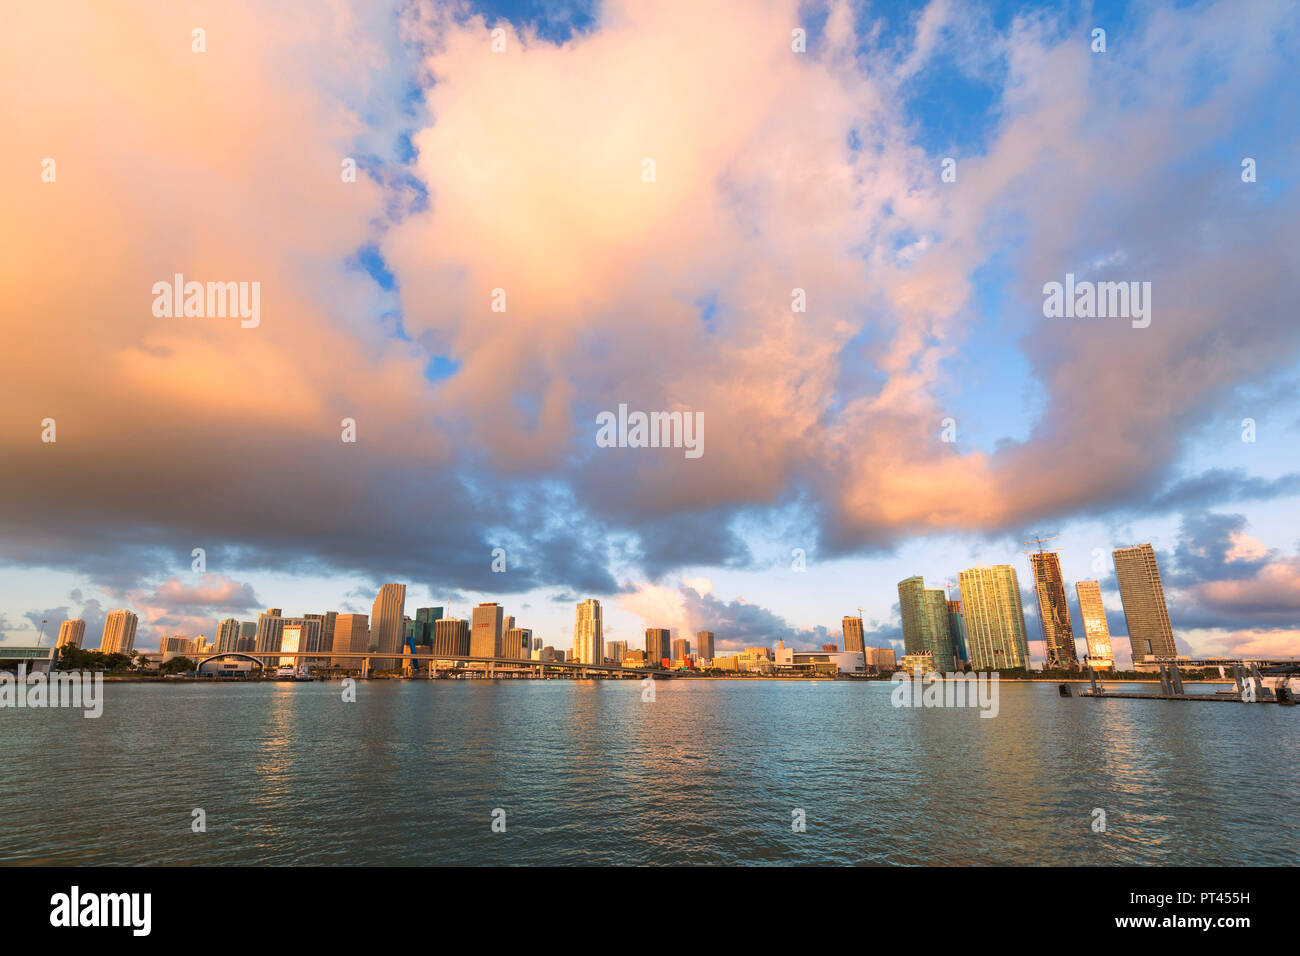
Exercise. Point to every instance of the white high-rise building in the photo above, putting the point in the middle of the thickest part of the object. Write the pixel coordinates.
(119, 632)
(228, 636)
(589, 634)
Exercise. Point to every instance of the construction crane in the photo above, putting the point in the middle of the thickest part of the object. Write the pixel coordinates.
(1039, 541)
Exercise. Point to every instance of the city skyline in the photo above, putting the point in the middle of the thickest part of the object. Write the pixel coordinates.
(984, 631)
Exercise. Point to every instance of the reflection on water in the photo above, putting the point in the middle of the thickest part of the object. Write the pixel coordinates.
(710, 772)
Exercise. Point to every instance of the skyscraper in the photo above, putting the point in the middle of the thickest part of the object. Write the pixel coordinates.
(72, 631)
(119, 632)
(269, 627)
(325, 640)
(589, 633)
(1096, 631)
(994, 618)
(615, 650)
(656, 646)
(228, 636)
(517, 643)
(925, 622)
(351, 635)
(853, 636)
(386, 628)
(681, 649)
(704, 641)
(1054, 610)
(957, 631)
(451, 637)
(487, 630)
(1145, 611)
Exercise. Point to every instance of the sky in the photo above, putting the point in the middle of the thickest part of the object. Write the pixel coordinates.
(561, 208)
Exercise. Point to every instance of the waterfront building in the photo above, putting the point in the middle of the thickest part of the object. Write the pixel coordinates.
(1145, 611)
(269, 627)
(386, 627)
(451, 637)
(228, 636)
(994, 618)
(615, 651)
(1054, 610)
(957, 631)
(883, 659)
(589, 633)
(517, 643)
(854, 638)
(71, 632)
(925, 622)
(1096, 630)
(487, 630)
(119, 632)
(704, 641)
(921, 662)
(325, 638)
(681, 649)
(657, 647)
(351, 636)
(824, 661)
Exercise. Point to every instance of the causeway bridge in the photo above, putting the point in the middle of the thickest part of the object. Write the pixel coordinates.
(367, 662)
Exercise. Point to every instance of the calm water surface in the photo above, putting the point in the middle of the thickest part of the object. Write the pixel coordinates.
(710, 772)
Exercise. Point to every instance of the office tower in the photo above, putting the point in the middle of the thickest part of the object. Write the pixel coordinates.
(957, 631)
(616, 650)
(176, 644)
(487, 622)
(881, 658)
(854, 639)
(247, 636)
(269, 626)
(516, 643)
(704, 645)
(71, 632)
(386, 629)
(351, 635)
(1053, 610)
(925, 622)
(451, 637)
(994, 618)
(681, 649)
(589, 633)
(656, 645)
(119, 632)
(228, 636)
(325, 640)
(509, 622)
(1145, 611)
(301, 635)
(1096, 631)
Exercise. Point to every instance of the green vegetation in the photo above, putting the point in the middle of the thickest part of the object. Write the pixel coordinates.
(75, 659)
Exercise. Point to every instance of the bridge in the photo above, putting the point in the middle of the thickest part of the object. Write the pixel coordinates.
(365, 662)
